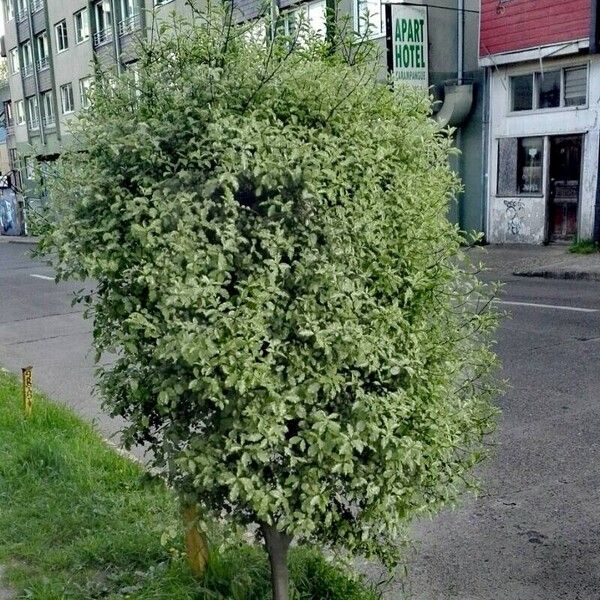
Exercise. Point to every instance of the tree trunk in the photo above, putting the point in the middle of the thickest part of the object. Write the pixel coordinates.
(195, 541)
(278, 544)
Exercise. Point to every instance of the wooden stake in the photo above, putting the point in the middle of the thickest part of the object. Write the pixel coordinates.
(27, 390)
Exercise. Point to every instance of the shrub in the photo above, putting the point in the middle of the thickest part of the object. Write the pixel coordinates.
(297, 337)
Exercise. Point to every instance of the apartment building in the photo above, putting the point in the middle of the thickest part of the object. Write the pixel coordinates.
(544, 134)
(51, 45)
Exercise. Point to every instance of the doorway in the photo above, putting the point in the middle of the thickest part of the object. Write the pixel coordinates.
(565, 180)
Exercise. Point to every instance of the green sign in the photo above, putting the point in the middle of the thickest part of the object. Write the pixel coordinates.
(410, 52)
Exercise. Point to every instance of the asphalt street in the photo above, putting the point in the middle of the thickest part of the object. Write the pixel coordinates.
(532, 534)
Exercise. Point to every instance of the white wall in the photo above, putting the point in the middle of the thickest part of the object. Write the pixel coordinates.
(523, 219)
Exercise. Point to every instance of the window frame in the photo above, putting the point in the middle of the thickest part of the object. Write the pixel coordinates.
(20, 116)
(8, 10)
(84, 16)
(27, 66)
(83, 91)
(501, 191)
(48, 116)
(358, 18)
(12, 54)
(535, 75)
(62, 88)
(42, 50)
(61, 33)
(33, 117)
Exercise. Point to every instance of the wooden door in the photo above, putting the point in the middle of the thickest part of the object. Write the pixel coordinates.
(565, 184)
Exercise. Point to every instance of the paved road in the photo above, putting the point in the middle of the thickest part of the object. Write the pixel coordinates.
(39, 327)
(534, 534)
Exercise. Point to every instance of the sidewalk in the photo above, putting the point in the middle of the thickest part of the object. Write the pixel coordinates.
(18, 239)
(552, 262)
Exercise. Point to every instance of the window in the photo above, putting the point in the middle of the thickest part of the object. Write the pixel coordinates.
(369, 17)
(26, 58)
(48, 108)
(520, 166)
(21, 9)
(20, 112)
(13, 60)
(548, 86)
(8, 113)
(129, 16)
(42, 51)
(66, 98)
(549, 89)
(522, 92)
(32, 110)
(82, 26)
(311, 14)
(8, 10)
(85, 86)
(29, 167)
(14, 158)
(575, 87)
(62, 39)
(103, 22)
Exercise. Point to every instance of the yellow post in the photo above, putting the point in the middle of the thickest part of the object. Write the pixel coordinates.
(27, 391)
(195, 541)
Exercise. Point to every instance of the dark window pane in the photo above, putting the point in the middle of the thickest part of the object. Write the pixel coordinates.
(576, 86)
(522, 92)
(548, 89)
(530, 165)
(507, 167)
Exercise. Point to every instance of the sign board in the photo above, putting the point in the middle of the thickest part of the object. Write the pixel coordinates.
(408, 43)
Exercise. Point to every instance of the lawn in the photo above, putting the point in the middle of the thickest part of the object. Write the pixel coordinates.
(80, 521)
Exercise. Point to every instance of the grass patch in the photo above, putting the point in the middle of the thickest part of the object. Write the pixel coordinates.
(584, 247)
(78, 521)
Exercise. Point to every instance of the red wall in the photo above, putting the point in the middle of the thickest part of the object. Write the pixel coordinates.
(511, 25)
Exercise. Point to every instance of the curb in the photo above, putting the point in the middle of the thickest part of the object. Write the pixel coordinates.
(6, 239)
(558, 274)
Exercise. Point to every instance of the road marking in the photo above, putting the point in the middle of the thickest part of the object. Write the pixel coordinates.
(552, 306)
(41, 276)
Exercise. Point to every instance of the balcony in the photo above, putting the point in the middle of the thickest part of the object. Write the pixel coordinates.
(129, 24)
(37, 5)
(42, 63)
(33, 124)
(27, 70)
(49, 121)
(103, 36)
(21, 15)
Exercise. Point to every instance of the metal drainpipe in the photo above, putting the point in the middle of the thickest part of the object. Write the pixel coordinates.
(36, 79)
(116, 38)
(460, 61)
(485, 148)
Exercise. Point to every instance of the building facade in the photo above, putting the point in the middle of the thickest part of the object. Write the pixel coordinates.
(51, 46)
(543, 76)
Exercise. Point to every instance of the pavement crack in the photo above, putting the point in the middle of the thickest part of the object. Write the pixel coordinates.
(74, 312)
(42, 339)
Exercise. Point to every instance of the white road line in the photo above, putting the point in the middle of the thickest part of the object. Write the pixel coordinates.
(551, 306)
(41, 276)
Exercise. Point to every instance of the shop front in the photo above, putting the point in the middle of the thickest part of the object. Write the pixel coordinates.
(543, 149)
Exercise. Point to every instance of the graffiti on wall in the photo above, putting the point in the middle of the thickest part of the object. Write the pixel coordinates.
(9, 213)
(514, 216)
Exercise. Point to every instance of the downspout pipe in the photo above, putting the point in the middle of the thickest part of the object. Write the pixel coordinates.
(460, 58)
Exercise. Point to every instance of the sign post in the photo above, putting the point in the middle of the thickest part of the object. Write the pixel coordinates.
(408, 44)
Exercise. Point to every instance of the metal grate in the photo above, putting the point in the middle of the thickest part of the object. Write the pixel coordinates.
(103, 36)
(129, 24)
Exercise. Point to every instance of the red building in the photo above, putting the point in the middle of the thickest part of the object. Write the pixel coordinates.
(543, 137)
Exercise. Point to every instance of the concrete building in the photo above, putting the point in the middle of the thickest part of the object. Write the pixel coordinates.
(51, 46)
(544, 132)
